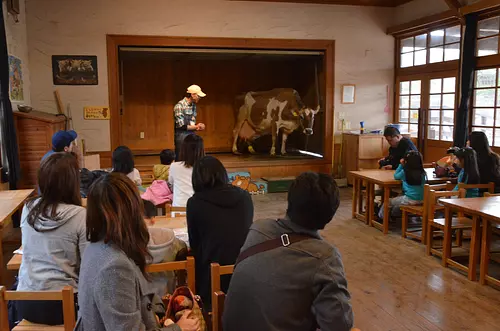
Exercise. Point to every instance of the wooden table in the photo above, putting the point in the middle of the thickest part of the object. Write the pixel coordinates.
(384, 178)
(159, 222)
(483, 210)
(10, 202)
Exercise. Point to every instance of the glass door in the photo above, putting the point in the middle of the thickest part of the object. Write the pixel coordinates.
(426, 107)
(440, 104)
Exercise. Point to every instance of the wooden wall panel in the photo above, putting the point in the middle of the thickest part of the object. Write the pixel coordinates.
(154, 84)
(147, 105)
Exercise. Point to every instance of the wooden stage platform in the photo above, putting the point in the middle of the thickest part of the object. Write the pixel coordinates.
(258, 165)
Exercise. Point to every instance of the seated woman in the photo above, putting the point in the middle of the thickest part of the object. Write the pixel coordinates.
(123, 162)
(466, 159)
(181, 172)
(219, 216)
(53, 238)
(114, 291)
(488, 162)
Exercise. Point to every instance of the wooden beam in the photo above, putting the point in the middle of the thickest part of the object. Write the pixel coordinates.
(448, 16)
(453, 4)
(480, 6)
(379, 3)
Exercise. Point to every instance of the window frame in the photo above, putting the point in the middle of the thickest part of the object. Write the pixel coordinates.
(478, 38)
(423, 72)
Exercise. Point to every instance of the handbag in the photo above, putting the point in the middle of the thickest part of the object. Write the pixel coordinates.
(182, 299)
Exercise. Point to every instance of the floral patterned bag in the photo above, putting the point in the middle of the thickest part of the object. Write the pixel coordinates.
(182, 299)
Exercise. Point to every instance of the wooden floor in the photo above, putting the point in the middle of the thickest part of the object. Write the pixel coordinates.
(394, 285)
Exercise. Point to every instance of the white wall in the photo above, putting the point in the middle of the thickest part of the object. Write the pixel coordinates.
(417, 9)
(17, 45)
(364, 53)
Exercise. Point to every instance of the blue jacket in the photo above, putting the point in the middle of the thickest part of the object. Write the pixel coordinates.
(471, 192)
(413, 192)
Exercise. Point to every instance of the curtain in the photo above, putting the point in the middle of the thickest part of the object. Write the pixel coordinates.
(467, 78)
(10, 159)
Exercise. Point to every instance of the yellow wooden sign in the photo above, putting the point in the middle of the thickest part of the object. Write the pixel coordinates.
(96, 113)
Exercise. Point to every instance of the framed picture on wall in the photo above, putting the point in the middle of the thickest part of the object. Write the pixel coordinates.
(348, 94)
(74, 70)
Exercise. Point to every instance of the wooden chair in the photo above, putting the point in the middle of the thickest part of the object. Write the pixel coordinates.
(218, 296)
(66, 295)
(490, 187)
(459, 223)
(187, 265)
(421, 210)
(488, 194)
(146, 172)
(175, 211)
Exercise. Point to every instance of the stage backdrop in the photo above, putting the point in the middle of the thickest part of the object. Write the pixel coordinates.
(153, 82)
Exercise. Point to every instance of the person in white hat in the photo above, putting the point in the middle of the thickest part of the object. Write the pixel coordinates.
(185, 116)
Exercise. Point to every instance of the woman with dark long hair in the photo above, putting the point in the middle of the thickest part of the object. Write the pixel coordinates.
(180, 174)
(488, 162)
(114, 292)
(53, 238)
(466, 159)
(219, 216)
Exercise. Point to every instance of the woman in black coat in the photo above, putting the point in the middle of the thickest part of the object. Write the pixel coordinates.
(488, 162)
(219, 216)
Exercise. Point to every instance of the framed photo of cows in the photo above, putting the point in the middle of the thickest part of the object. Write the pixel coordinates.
(74, 70)
(348, 94)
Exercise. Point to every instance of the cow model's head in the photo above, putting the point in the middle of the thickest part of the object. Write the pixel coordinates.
(307, 119)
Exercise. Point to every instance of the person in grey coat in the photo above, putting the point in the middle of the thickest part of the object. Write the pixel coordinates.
(295, 287)
(114, 291)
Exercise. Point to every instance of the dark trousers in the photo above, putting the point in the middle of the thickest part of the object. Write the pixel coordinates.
(42, 312)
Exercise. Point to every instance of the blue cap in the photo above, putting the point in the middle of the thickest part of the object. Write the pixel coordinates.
(62, 139)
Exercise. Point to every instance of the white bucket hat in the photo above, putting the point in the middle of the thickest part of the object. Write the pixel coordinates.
(196, 90)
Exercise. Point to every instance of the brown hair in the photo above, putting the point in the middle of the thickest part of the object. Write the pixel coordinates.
(192, 149)
(115, 214)
(59, 182)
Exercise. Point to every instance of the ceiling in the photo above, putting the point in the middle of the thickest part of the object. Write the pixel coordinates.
(379, 3)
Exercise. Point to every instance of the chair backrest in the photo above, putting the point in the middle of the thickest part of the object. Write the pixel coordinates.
(175, 211)
(490, 186)
(218, 296)
(434, 196)
(187, 265)
(65, 295)
(488, 194)
(448, 186)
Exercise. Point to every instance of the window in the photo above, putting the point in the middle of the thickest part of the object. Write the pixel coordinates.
(436, 46)
(486, 104)
(441, 109)
(409, 103)
(487, 36)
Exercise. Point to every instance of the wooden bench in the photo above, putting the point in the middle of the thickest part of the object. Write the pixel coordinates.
(187, 265)
(66, 295)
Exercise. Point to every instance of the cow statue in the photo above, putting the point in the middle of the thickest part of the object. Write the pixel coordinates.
(267, 112)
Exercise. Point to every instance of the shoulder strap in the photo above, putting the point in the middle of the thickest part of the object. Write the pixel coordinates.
(285, 240)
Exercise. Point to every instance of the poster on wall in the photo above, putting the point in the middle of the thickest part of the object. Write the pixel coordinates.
(96, 113)
(74, 70)
(16, 88)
